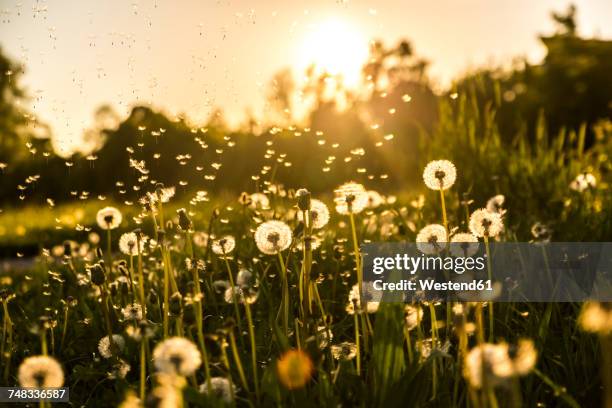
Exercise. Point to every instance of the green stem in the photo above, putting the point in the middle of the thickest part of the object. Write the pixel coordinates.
(285, 299)
(490, 277)
(249, 317)
(234, 297)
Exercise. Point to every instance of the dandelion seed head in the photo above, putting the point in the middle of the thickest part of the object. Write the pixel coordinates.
(128, 244)
(109, 218)
(40, 372)
(224, 245)
(431, 239)
(464, 244)
(319, 214)
(440, 174)
(273, 237)
(221, 388)
(350, 198)
(486, 223)
(177, 355)
(496, 204)
(105, 349)
(583, 182)
(132, 312)
(487, 363)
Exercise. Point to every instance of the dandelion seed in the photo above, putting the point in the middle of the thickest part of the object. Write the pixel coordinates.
(486, 223)
(109, 218)
(374, 199)
(439, 174)
(40, 372)
(431, 239)
(344, 351)
(273, 237)
(464, 244)
(259, 201)
(294, 369)
(224, 245)
(541, 233)
(350, 198)
(221, 388)
(525, 357)
(176, 355)
(488, 363)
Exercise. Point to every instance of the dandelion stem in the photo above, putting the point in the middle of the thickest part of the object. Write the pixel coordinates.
(444, 219)
(247, 309)
(143, 368)
(141, 281)
(490, 277)
(357, 342)
(285, 299)
(234, 297)
(238, 361)
(7, 333)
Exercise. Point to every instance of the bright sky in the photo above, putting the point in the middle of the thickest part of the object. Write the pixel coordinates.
(191, 55)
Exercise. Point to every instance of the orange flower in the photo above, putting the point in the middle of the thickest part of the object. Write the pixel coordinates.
(294, 369)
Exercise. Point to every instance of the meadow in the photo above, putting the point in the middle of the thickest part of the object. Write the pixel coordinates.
(252, 300)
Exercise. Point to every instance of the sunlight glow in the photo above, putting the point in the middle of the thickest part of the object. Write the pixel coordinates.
(335, 47)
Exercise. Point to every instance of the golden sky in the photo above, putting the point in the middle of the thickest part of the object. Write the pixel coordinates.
(192, 55)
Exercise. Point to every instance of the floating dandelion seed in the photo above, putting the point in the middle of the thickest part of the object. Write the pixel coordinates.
(439, 174)
(374, 199)
(105, 348)
(273, 237)
(224, 245)
(350, 198)
(294, 369)
(464, 244)
(319, 214)
(40, 372)
(221, 388)
(259, 201)
(177, 355)
(109, 218)
(431, 239)
(485, 223)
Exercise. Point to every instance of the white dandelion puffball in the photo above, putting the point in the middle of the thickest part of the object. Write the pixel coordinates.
(319, 214)
(273, 237)
(128, 244)
(221, 388)
(490, 361)
(105, 349)
(165, 194)
(109, 218)
(431, 239)
(350, 198)
(40, 372)
(464, 244)
(224, 245)
(486, 223)
(496, 204)
(439, 174)
(259, 201)
(371, 297)
(132, 312)
(177, 355)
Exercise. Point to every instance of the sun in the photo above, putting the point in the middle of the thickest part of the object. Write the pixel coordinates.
(336, 47)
